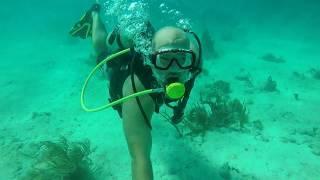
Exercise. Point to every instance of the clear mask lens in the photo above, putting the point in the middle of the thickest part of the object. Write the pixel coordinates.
(182, 59)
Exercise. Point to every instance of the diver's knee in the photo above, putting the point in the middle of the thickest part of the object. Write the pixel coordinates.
(140, 159)
(99, 43)
(99, 38)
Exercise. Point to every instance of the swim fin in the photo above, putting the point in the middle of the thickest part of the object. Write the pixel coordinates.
(83, 28)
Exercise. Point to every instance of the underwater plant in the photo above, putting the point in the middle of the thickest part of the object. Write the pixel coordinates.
(214, 109)
(272, 58)
(226, 112)
(219, 89)
(270, 85)
(258, 125)
(222, 112)
(296, 96)
(208, 45)
(239, 112)
(298, 75)
(222, 86)
(197, 120)
(315, 73)
(228, 172)
(61, 160)
(315, 147)
(245, 77)
(315, 143)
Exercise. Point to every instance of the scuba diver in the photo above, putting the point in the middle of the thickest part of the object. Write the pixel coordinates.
(138, 89)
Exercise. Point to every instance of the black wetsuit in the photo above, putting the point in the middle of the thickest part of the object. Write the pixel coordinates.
(119, 70)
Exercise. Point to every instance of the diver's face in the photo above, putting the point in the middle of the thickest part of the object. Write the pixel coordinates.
(173, 70)
(167, 62)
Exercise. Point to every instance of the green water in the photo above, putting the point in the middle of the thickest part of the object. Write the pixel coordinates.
(43, 68)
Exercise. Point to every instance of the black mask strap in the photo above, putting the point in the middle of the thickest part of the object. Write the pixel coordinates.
(196, 69)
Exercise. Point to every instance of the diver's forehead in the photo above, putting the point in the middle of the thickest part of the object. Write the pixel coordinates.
(170, 47)
(166, 46)
(171, 41)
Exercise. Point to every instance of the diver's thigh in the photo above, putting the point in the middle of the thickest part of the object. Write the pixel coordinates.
(137, 132)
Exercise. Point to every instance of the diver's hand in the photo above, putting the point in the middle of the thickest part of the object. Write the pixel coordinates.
(177, 116)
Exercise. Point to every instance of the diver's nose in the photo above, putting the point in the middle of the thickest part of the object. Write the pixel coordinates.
(174, 67)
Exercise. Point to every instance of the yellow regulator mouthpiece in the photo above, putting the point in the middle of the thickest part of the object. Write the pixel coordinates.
(175, 90)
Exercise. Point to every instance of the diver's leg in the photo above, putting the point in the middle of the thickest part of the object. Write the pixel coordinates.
(137, 132)
(99, 34)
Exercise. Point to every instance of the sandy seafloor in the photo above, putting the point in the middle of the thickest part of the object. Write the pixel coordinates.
(43, 74)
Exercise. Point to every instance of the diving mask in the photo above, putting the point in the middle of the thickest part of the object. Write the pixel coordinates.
(163, 59)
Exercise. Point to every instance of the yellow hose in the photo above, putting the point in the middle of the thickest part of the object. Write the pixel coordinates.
(122, 100)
